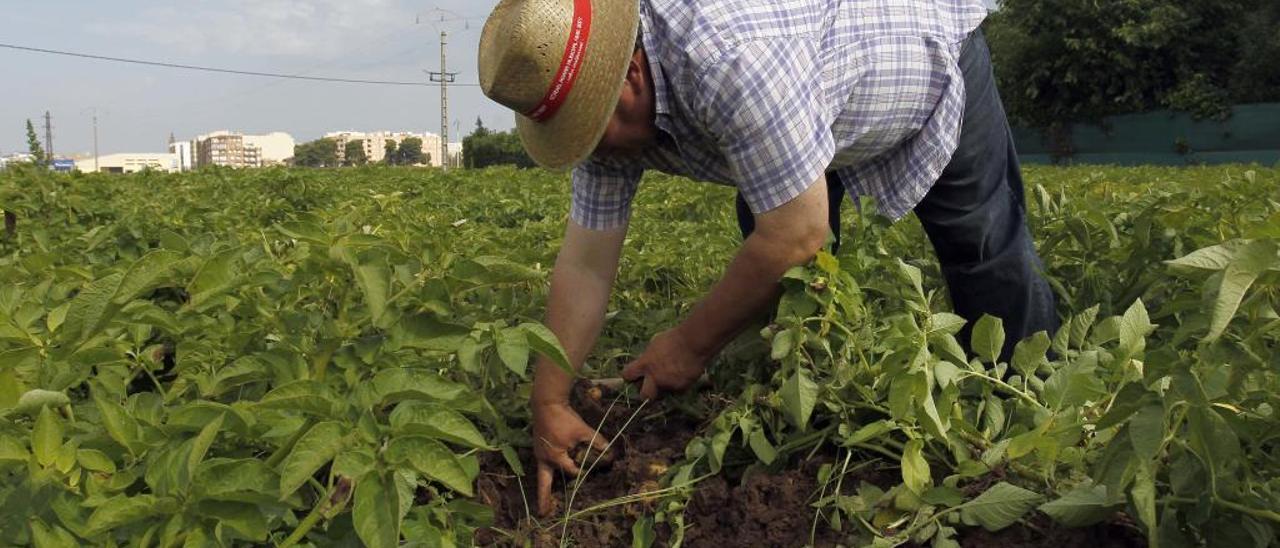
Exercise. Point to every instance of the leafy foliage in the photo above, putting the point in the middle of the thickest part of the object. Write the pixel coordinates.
(311, 357)
(318, 153)
(1081, 60)
(485, 147)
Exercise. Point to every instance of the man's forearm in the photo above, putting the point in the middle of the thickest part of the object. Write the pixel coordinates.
(580, 286)
(745, 292)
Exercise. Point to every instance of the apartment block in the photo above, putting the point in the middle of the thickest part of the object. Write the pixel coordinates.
(375, 143)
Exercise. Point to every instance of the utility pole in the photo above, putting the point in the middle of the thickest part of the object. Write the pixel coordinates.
(48, 138)
(445, 78)
(95, 141)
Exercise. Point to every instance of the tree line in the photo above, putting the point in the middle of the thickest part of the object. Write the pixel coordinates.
(1077, 61)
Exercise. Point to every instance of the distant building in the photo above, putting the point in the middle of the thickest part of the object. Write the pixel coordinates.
(237, 150)
(273, 148)
(127, 162)
(375, 143)
(455, 155)
(184, 156)
(15, 158)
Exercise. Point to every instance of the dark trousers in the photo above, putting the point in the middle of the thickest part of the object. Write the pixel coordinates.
(975, 216)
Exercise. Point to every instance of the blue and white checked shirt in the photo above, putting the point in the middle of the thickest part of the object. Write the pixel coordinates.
(768, 95)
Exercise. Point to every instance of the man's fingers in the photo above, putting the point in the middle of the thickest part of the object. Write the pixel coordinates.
(633, 371)
(565, 463)
(599, 443)
(649, 390)
(544, 488)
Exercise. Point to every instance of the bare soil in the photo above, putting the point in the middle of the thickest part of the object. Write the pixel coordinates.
(757, 509)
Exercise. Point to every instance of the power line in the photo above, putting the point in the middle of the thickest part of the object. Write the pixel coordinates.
(220, 70)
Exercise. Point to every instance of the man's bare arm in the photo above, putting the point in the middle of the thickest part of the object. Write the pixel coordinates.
(787, 236)
(784, 237)
(580, 285)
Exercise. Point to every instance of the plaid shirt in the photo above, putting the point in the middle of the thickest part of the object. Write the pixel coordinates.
(767, 96)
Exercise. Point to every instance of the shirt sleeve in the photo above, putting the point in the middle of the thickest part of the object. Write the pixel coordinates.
(763, 102)
(602, 194)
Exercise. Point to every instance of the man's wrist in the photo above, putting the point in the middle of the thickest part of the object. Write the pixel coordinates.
(697, 341)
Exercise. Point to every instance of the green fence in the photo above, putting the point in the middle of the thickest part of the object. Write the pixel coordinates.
(1251, 134)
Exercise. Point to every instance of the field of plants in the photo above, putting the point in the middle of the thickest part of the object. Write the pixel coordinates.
(317, 358)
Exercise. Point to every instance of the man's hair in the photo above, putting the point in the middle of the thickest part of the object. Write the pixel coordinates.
(640, 38)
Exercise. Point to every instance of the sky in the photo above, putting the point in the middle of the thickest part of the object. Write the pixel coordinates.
(139, 106)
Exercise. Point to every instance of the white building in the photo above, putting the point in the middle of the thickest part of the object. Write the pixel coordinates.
(375, 143)
(15, 158)
(128, 162)
(232, 149)
(273, 148)
(184, 155)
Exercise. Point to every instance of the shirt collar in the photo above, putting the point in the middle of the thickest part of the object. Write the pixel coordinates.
(661, 92)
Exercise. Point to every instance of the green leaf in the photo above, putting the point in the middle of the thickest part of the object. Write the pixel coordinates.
(761, 447)
(121, 426)
(12, 451)
(1074, 383)
(307, 396)
(1143, 497)
(1081, 507)
(1030, 354)
(393, 385)
(95, 460)
(430, 458)
(314, 449)
(226, 479)
(1209, 258)
(374, 281)
(1081, 324)
(999, 506)
(469, 355)
(427, 332)
(799, 395)
(642, 533)
(1250, 262)
(376, 515)
(544, 342)
(305, 231)
(121, 510)
(513, 348)
(487, 270)
(915, 470)
(1134, 327)
(46, 437)
(945, 322)
(92, 308)
(943, 496)
(988, 337)
(870, 431)
(354, 462)
(1212, 438)
(245, 518)
(56, 317)
(1129, 400)
(1146, 431)
(216, 276)
(145, 274)
(46, 536)
(416, 417)
(200, 446)
(32, 401)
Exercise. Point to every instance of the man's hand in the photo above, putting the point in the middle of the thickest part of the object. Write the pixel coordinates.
(669, 364)
(557, 429)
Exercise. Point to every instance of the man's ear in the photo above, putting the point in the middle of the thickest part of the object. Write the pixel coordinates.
(636, 73)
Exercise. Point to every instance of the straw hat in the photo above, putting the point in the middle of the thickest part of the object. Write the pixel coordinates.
(560, 65)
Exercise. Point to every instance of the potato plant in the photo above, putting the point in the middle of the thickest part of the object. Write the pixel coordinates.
(297, 357)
